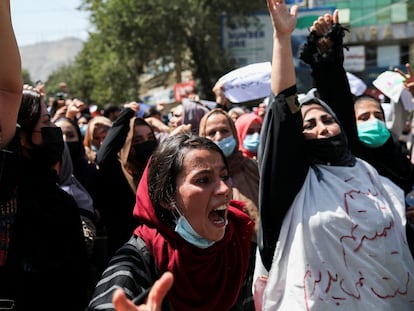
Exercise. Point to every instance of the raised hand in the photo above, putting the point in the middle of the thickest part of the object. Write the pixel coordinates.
(322, 26)
(284, 23)
(408, 78)
(283, 19)
(324, 23)
(132, 105)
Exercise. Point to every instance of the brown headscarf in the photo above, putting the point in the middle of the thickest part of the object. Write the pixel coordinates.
(87, 141)
(132, 168)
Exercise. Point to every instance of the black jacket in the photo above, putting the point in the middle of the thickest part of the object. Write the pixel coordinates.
(115, 199)
(47, 266)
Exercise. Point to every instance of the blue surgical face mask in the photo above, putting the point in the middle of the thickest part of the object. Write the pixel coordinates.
(227, 145)
(94, 148)
(251, 142)
(83, 129)
(184, 229)
(373, 133)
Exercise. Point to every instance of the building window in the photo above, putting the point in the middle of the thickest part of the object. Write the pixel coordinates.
(404, 54)
(388, 55)
(399, 13)
(371, 55)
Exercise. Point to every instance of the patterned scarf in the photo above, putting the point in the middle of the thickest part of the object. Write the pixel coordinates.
(7, 216)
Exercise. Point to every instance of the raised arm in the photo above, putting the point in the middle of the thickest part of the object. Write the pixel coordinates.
(10, 76)
(284, 23)
(281, 154)
(323, 51)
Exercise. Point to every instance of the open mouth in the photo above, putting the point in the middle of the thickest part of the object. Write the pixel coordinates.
(218, 216)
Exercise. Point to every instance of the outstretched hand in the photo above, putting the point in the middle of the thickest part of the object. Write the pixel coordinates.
(408, 78)
(155, 297)
(283, 19)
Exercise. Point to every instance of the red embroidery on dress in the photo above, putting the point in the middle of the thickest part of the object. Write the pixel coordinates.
(319, 284)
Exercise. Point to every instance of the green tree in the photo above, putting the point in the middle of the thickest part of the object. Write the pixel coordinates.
(132, 33)
(62, 74)
(26, 77)
(101, 75)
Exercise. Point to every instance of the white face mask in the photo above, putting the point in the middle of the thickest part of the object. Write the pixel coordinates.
(184, 229)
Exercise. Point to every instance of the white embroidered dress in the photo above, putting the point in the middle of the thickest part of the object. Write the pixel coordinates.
(342, 246)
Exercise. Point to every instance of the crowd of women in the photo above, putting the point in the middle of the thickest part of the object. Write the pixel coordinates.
(298, 207)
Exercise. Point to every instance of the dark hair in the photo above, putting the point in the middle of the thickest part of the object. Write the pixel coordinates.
(85, 115)
(141, 121)
(166, 163)
(29, 112)
(133, 160)
(371, 99)
(77, 129)
(151, 111)
(61, 96)
(365, 97)
(110, 108)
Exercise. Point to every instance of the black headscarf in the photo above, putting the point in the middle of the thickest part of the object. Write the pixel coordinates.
(329, 151)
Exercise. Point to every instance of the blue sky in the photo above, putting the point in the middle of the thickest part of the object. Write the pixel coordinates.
(48, 20)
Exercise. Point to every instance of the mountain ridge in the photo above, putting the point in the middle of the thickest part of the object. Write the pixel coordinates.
(43, 58)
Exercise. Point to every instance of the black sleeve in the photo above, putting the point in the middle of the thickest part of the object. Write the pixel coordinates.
(331, 81)
(115, 138)
(282, 166)
(132, 268)
(10, 168)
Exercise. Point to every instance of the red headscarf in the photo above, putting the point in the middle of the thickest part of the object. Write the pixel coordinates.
(204, 279)
(242, 125)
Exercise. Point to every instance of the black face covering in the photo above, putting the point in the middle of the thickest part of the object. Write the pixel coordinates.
(144, 150)
(50, 152)
(74, 149)
(332, 151)
(329, 151)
